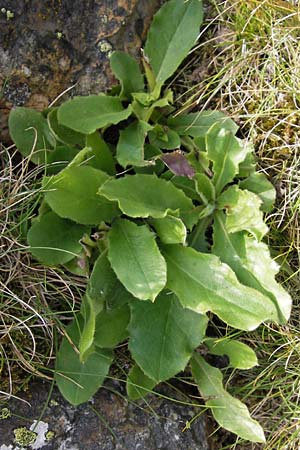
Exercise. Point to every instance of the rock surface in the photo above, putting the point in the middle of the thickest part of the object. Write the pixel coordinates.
(47, 46)
(108, 422)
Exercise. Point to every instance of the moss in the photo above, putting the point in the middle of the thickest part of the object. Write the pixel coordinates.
(24, 437)
(5, 414)
(49, 435)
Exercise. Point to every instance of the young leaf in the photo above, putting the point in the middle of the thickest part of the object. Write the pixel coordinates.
(229, 412)
(102, 156)
(103, 284)
(91, 307)
(64, 134)
(241, 356)
(260, 185)
(111, 326)
(145, 195)
(170, 229)
(136, 260)
(226, 152)
(205, 188)
(154, 164)
(29, 130)
(163, 335)
(127, 71)
(78, 381)
(198, 124)
(72, 194)
(53, 240)
(89, 113)
(243, 212)
(130, 148)
(173, 33)
(138, 384)
(167, 139)
(252, 264)
(202, 283)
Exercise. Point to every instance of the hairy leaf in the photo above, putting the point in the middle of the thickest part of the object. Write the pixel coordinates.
(144, 195)
(29, 130)
(163, 335)
(130, 148)
(87, 114)
(228, 411)
(136, 260)
(127, 71)
(78, 381)
(72, 194)
(252, 264)
(260, 185)
(241, 356)
(53, 240)
(138, 384)
(172, 34)
(198, 124)
(202, 283)
(243, 212)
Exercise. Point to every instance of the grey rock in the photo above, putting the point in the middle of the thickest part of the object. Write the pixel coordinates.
(108, 422)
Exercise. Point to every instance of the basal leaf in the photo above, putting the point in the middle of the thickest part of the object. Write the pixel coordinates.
(138, 384)
(187, 186)
(78, 381)
(202, 283)
(29, 130)
(102, 155)
(64, 134)
(173, 32)
(127, 71)
(205, 188)
(226, 152)
(91, 308)
(53, 240)
(198, 124)
(136, 260)
(241, 356)
(260, 185)
(72, 194)
(243, 212)
(252, 264)
(170, 229)
(167, 139)
(229, 412)
(145, 196)
(130, 148)
(89, 113)
(103, 284)
(178, 164)
(154, 164)
(111, 327)
(163, 335)
(59, 158)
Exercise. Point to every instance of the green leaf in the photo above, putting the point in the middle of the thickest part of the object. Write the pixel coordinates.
(64, 134)
(91, 307)
(248, 166)
(154, 164)
(89, 113)
(229, 412)
(103, 284)
(102, 156)
(144, 195)
(111, 327)
(130, 148)
(202, 283)
(170, 229)
(136, 260)
(226, 152)
(172, 34)
(53, 240)
(128, 72)
(72, 194)
(163, 336)
(252, 264)
(138, 384)
(243, 212)
(78, 381)
(29, 130)
(198, 124)
(241, 356)
(59, 158)
(260, 185)
(205, 188)
(164, 138)
(187, 186)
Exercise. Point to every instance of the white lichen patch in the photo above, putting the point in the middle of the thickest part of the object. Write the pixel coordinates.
(41, 430)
